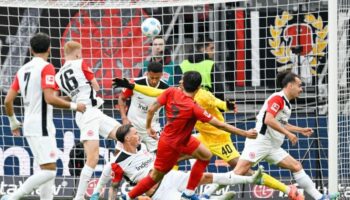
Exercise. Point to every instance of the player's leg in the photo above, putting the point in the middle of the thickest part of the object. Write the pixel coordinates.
(45, 154)
(304, 181)
(203, 155)
(91, 148)
(166, 158)
(105, 177)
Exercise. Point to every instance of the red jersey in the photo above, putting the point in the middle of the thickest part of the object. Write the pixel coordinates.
(182, 114)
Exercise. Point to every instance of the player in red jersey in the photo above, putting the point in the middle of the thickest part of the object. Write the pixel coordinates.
(182, 113)
(36, 83)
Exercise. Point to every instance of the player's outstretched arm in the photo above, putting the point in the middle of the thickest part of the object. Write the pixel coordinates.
(146, 90)
(296, 129)
(273, 123)
(14, 123)
(229, 128)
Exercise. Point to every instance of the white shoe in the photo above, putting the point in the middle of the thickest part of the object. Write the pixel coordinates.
(257, 176)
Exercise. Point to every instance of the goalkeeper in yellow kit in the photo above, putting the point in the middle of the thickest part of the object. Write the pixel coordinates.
(218, 141)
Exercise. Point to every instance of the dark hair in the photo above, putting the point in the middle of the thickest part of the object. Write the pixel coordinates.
(40, 43)
(155, 67)
(191, 81)
(158, 37)
(203, 42)
(122, 131)
(283, 78)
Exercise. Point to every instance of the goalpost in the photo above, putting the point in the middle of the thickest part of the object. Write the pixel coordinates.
(253, 39)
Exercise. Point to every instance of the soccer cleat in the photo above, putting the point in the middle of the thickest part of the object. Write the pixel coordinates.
(204, 197)
(95, 196)
(294, 194)
(331, 196)
(192, 197)
(257, 176)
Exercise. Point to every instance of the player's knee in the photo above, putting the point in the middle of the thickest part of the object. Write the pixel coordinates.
(156, 175)
(296, 166)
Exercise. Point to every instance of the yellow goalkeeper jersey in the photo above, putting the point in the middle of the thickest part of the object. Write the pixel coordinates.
(211, 104)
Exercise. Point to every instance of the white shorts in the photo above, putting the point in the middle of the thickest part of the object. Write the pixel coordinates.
(172, 186)
(93, 122)
(258, 150)
(44, 148)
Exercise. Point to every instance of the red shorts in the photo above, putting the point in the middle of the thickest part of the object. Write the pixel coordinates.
(167, 155)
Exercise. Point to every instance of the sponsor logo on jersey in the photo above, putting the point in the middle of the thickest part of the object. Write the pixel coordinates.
(50, 80)
(275, 107)
(144, 164)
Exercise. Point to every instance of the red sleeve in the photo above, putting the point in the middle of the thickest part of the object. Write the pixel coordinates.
(117, 173)
(127, 93)
(162, 98)
(201, 114)
(48, 77)
(15, 84)
(274, 105)
(89, 74)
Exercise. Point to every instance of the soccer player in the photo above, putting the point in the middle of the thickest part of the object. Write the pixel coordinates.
(182, 113)
(77, 80)
(219, 142)
(134, 162)
(272, 125)
(139, 104)
(36, 83)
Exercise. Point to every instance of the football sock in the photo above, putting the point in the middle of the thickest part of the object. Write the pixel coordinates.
(142, 186)
(46, 190)
(210, 189)
(273, 183)
(105, 177)
(85, 177)
(33, 182)
(197, 173)
(306, 183)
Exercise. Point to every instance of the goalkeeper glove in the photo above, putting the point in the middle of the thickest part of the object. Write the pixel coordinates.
(230, 104)
(14, 123)
(118, 82)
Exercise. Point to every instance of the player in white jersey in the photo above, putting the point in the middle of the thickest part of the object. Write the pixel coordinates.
(133, 163)
(77, 80)
(272, 126)
(35, 81)
(139, 104)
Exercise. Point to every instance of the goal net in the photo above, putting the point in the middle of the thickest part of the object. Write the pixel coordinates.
(253, 41)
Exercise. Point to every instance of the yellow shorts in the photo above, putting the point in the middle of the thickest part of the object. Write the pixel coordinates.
(224, 149)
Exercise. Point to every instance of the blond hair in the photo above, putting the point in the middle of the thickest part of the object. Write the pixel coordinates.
(70, 47)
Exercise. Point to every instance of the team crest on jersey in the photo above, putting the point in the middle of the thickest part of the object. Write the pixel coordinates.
(275, 107)
(309, 36)
(90, 133)
(50, 79)
(207, 114)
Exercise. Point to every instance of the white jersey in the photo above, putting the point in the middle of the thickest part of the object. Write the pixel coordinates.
(139, 104)
(74, 79)
(30, 80)
(278, 105)
(132, 167)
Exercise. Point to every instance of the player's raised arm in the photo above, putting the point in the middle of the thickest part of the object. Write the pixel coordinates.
(146, 90)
